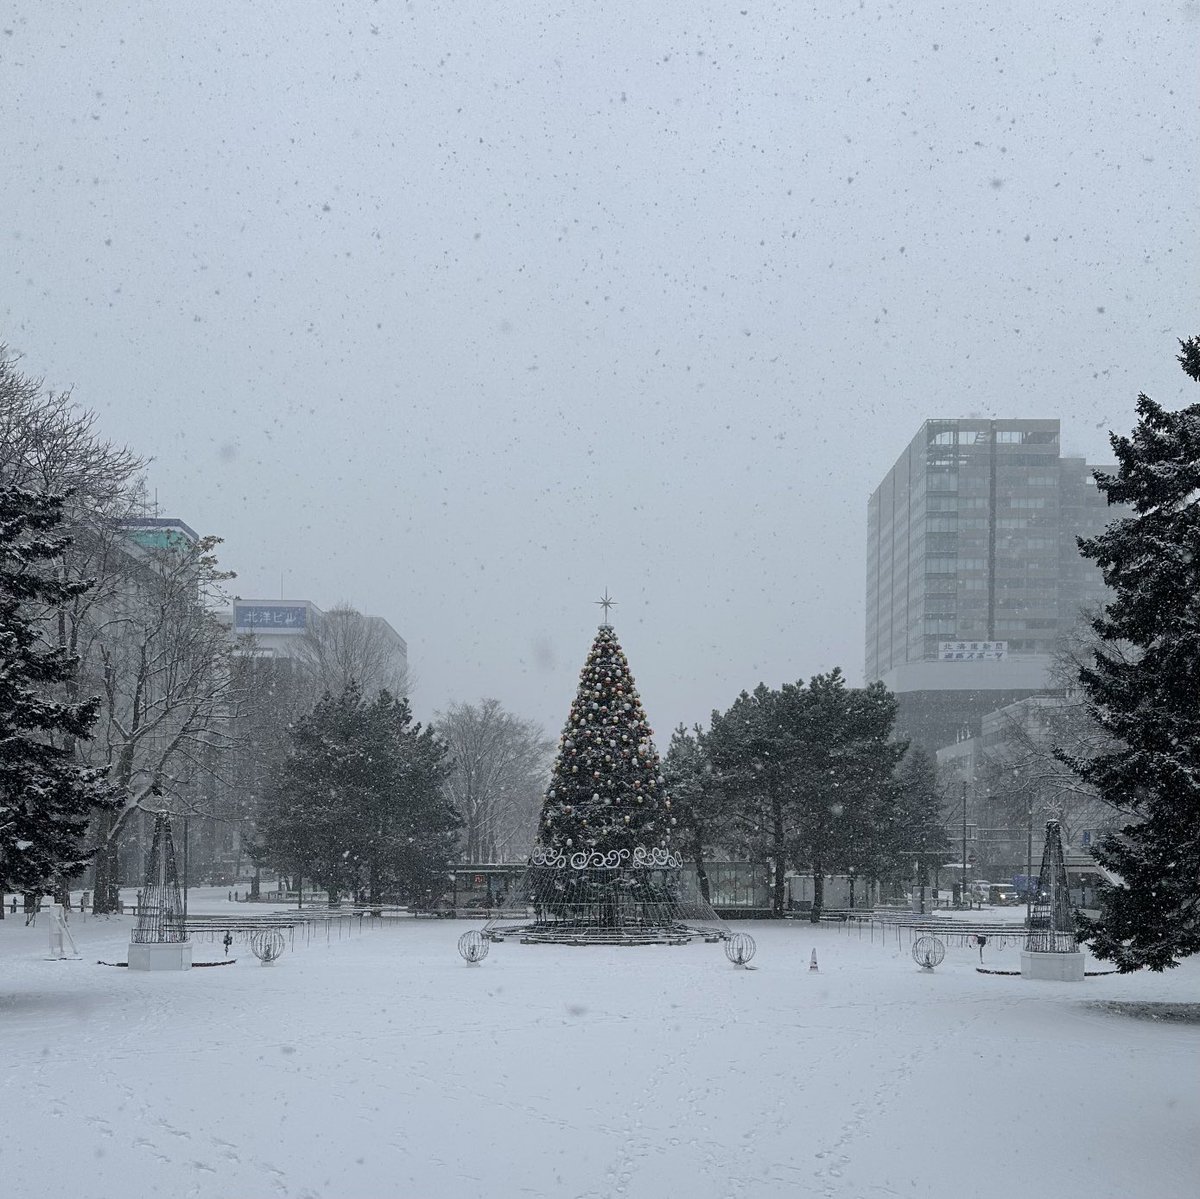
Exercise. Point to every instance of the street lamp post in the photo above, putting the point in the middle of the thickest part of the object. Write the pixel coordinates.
(962, 884)
(1029, 864)
(186, 848)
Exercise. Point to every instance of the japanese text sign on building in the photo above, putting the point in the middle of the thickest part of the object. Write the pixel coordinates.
(972, 651)
(270, 618)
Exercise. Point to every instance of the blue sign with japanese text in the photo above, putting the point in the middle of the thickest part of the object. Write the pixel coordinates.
(270, 618)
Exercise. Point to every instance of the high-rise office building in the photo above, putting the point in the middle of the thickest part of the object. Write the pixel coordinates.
(973, 571)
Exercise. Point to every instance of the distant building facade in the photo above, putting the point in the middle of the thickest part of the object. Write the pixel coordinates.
(278, 628)
(275, 625)
(1005, 815)
(157, 533)
(973, 571)
(278, 625)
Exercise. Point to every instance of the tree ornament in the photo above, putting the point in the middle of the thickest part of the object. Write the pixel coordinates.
(604, 775)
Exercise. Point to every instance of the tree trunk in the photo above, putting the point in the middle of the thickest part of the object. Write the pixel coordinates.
(106, 892)
(256, 883)
(779, 855)
(818, 893)
(696, 852)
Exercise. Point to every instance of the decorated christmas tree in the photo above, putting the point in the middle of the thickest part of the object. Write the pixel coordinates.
(603, 870)
(606, 790)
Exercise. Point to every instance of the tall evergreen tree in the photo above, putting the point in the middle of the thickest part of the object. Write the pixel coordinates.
(846, 790)
(913, 829)
(809, 770)
(359, 806)
(45, 797)
(606, 788)
(753, 751)
(1142, 689)
(696, 801)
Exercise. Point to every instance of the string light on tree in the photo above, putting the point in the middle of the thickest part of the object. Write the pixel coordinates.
(603, 871)
(606, 789)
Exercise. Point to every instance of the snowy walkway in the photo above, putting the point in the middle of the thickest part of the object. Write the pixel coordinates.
(381, 1065)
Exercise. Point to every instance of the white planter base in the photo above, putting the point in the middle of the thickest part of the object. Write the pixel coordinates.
(1057, 967)
(175, 955)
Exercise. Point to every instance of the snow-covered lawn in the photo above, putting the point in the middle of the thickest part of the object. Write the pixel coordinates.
(381, 1065)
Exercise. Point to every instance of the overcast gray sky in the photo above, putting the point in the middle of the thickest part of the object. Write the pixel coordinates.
(465, 312)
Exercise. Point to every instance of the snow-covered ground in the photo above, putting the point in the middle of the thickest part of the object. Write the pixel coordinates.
(379, 1064)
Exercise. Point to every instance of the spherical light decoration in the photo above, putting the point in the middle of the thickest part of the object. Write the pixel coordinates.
(473, 946)
(740, 948)
(928, 952)
(267, 945)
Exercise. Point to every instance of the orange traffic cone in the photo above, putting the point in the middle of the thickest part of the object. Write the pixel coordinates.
(812, 962)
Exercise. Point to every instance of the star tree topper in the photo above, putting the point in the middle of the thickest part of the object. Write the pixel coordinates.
(606, 602)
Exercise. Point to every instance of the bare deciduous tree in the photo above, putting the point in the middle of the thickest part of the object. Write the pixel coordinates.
(1022, 777)
(271, 694)
(49, 443)
(157, 654)
(345, 646)
(500, 764)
